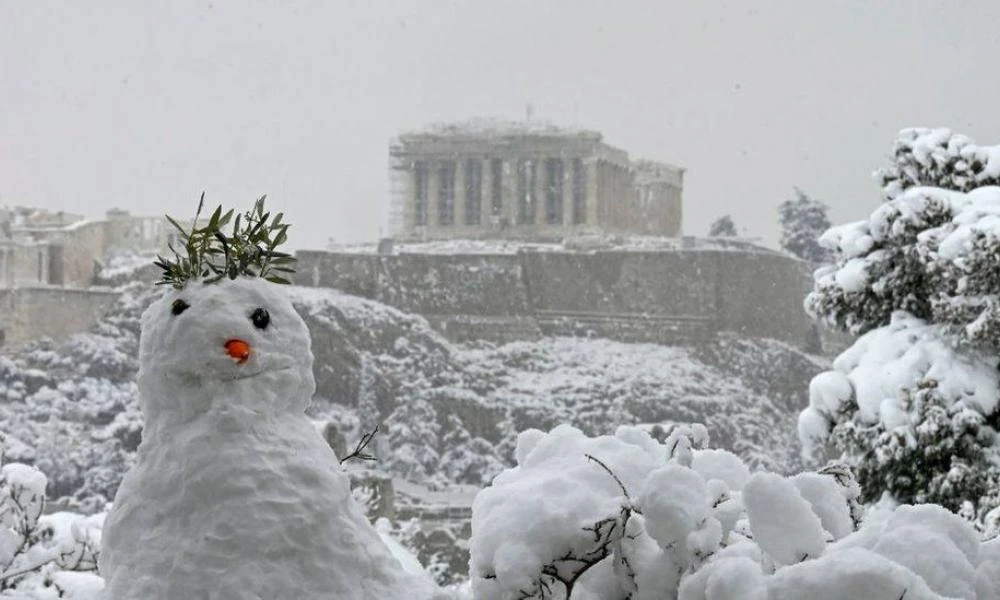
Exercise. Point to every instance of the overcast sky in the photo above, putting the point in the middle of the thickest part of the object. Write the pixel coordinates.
(143, 105)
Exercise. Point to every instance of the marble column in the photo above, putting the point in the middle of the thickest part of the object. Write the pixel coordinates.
(410, 199)
(593, 186)
(510, 199)
(486, 194)
(433, 193)
(458, 196)
(541, 176)
(567, 192)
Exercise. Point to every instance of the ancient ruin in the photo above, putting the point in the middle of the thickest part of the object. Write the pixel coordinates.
(525, 180)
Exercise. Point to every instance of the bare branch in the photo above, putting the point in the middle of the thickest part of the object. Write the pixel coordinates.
(610, 472)
(359, 451)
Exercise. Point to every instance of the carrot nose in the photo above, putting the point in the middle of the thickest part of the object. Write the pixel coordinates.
(238, 350)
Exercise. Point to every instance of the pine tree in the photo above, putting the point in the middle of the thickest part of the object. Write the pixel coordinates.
(413, 441)
(723, 227)
(467, 459)
(922, 271)
(368, 412)
(803, 221)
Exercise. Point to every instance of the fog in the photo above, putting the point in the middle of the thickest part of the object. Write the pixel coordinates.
(144, 105)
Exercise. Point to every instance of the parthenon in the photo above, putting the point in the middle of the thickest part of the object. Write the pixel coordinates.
(525, 180)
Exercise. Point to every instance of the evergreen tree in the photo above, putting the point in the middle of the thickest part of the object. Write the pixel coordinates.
(466, 459)
(723, 227)
(368, 412)
(919, 415)
(413, 441)
(803, 221)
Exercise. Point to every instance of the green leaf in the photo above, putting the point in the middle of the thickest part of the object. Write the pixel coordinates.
(177, 225)
(213, 222)
(210, 254)
(224, 220)
(201, 203)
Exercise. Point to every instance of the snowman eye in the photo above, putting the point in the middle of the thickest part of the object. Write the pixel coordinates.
(260, 318)
(179, 306)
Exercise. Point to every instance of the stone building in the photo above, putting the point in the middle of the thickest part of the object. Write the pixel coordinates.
(48, 261)
(54, 248)
(486, 179)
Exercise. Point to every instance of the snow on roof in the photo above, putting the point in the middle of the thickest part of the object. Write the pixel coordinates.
(26, 217)
(644, 166)
(490, 127)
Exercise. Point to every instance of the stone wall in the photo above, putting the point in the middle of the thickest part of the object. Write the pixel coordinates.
(30, 313)
(761, 296)
(621, 294)
(615, 282)
(80, 247)
(482, 285)
(24, 264)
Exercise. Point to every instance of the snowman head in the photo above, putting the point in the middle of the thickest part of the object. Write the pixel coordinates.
(233, 347)
(223, 342)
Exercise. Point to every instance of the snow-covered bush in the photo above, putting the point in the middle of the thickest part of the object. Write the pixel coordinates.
(43, 556)
(625, 516)
(803, 221)
(914, 404)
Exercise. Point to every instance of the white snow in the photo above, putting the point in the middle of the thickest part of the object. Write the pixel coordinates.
(826, 498)
(723, 465)
(906, 351)
(784, 538)
(882, 364)
(26, 484)
(853, 275)
(829, 392)
(782, 521)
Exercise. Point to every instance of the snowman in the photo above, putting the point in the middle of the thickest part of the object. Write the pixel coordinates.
(234, 494)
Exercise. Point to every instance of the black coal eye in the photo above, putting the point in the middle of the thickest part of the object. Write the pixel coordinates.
(260, 318)
(179, 306)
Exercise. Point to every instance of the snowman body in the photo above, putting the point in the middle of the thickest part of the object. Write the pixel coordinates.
(234, 494)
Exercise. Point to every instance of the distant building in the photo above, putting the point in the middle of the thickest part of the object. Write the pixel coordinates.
(48, 260)
(526, 180)
(38, 247)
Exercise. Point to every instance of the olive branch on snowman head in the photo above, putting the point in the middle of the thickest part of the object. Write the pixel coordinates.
(211, 255)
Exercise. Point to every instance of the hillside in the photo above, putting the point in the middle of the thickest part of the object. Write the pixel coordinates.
(450, 413)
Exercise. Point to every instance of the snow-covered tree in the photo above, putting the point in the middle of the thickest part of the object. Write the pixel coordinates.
(413, 441)
(803, 220)
(368, 413)
(467, 459)
(627, 517)
(722, 227)
(938, 158)
(37, 550)
(914, 403)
